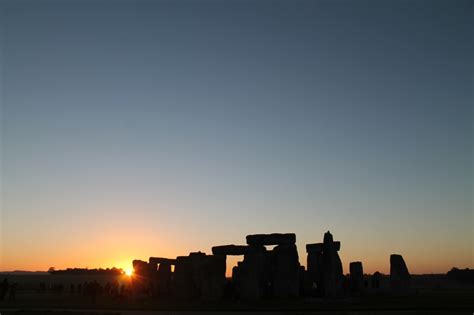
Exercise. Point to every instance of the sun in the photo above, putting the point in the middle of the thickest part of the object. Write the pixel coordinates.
(129, 272)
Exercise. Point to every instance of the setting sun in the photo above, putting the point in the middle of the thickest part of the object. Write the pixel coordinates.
(129, 272)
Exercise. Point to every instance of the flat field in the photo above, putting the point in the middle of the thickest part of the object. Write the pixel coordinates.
(30, 300)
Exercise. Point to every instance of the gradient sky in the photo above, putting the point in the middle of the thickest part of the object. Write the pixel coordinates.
(156, 128)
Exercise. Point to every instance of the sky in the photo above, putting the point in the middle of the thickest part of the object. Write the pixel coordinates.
(132, 129)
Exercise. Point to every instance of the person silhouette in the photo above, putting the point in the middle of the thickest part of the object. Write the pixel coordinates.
(12, 295)
(3, 289)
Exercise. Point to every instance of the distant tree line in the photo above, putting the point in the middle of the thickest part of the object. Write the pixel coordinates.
(86, 271)
(462, 275)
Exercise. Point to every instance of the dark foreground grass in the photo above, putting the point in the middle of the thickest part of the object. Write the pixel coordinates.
(357, 312)
(453, 301)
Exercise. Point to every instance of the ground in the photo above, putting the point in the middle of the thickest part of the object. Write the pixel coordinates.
(433, 295)
(432, 301)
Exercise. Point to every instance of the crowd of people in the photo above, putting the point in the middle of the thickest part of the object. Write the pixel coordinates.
(92, 289)
(7, 290)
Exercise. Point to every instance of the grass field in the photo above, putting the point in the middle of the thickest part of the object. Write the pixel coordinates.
(427, 301)
(29, 300)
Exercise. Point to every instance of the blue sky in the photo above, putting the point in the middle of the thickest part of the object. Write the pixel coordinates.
(157, 128)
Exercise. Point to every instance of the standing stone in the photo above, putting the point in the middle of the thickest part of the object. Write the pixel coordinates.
(325, 267)
(183, 279)
(332, 266)
(251, 274)
(375, 280)
(141, 268)
(200, 276)
(399, 275)
(141, 281)
(161, 275)
(164, 278)
(236, 279)
(356, 276)
(315, 268)
(285, 277)
(213, 277)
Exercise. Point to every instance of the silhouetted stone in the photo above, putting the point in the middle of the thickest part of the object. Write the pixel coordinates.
(332, 266)
(213, 277)
(314, 264)
(325, 267)
(399, 275)
(183, 278)
(141, 282)
(285, 277)
(263, 273)
(159, 260)
(200, 276)
(356, 276)
(318, 247)
(141, 268)
(271, 239)
(163, 279)
(248, 276)
(251, 271)
(375, 280)
(161, 275)
(231, 250)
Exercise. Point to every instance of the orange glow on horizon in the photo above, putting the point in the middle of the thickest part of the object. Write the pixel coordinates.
(129, 272)
(421, 257)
